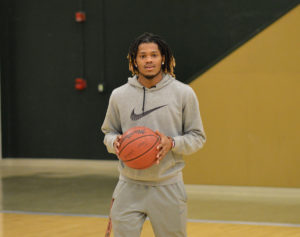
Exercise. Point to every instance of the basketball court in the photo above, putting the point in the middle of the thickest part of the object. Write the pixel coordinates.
(49, 198)
(242, 60)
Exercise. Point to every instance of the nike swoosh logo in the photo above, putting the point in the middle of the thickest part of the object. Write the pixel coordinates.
(135, 116)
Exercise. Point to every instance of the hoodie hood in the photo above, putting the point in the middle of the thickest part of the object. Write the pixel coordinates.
(167, 78)
(133, 81)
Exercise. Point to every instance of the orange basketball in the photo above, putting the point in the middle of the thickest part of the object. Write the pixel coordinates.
(138, 147)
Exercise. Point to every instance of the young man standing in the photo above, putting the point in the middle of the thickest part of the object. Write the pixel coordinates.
(155, 99)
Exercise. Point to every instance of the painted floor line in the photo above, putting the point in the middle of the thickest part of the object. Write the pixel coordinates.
(245, 223)
(52, 214)
(189, 220)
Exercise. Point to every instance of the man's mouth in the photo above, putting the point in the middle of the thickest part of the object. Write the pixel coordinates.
(149, 67)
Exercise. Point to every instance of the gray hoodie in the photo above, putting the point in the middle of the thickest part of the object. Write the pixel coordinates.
(170, 107)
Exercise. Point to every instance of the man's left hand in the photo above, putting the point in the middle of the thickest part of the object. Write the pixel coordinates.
(164, 147)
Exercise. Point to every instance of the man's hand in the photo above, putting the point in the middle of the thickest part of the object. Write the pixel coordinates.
(117, 144)
(164, 147)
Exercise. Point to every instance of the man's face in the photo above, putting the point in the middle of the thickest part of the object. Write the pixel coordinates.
(149, 60)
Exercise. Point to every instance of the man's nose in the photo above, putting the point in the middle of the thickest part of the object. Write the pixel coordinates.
(148, 59)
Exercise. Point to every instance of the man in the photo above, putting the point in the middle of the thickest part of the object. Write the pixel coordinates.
(155, 99)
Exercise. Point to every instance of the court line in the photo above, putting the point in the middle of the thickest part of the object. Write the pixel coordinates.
(245, 223)
(52, 214)
(189, 220)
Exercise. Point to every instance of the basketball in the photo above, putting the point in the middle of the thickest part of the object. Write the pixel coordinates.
(138, 147)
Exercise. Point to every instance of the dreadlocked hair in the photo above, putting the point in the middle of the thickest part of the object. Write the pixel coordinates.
(169, 63)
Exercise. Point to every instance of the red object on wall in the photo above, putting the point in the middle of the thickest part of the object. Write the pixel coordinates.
(80, 84)
(80, 16)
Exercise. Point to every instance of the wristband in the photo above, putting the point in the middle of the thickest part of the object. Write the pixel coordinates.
(172, 142)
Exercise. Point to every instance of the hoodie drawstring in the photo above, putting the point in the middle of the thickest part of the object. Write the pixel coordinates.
(144, 99)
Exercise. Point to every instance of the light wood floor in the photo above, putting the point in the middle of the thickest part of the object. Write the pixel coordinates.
(45, 198)
(25, 225)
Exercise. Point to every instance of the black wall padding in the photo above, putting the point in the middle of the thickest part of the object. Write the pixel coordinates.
(43, 50)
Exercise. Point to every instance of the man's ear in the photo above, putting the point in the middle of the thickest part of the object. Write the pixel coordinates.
(163, 60)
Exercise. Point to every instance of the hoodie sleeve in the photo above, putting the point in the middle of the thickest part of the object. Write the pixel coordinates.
(111, 126)
(193, 136)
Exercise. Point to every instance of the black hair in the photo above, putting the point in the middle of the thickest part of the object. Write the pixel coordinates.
(169, 63)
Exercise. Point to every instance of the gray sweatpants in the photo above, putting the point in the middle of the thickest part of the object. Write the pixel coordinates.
(165, 205)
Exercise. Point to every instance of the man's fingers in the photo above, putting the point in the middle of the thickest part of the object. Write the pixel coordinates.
(158, 133)
(117, 149)
(159, 157)
(162, 147)
(161, 154)
(117, 141)
(159, 147)
(118, 138)
(117, 144)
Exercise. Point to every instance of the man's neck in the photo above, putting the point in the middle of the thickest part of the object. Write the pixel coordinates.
(148, 83)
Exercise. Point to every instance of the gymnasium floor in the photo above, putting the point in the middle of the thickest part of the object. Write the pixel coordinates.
(43, 198)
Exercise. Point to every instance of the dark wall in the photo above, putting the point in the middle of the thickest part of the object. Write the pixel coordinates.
(43, 115)
(43, 50)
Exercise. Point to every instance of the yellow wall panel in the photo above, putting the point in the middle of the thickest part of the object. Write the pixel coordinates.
(250, 106)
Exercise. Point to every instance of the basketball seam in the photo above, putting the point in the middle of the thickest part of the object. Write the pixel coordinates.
(157, 139)
(133, 141)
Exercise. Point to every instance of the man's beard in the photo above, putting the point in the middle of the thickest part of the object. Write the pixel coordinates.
(150, 77)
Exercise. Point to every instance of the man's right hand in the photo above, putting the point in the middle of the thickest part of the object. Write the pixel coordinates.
(117, 144)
